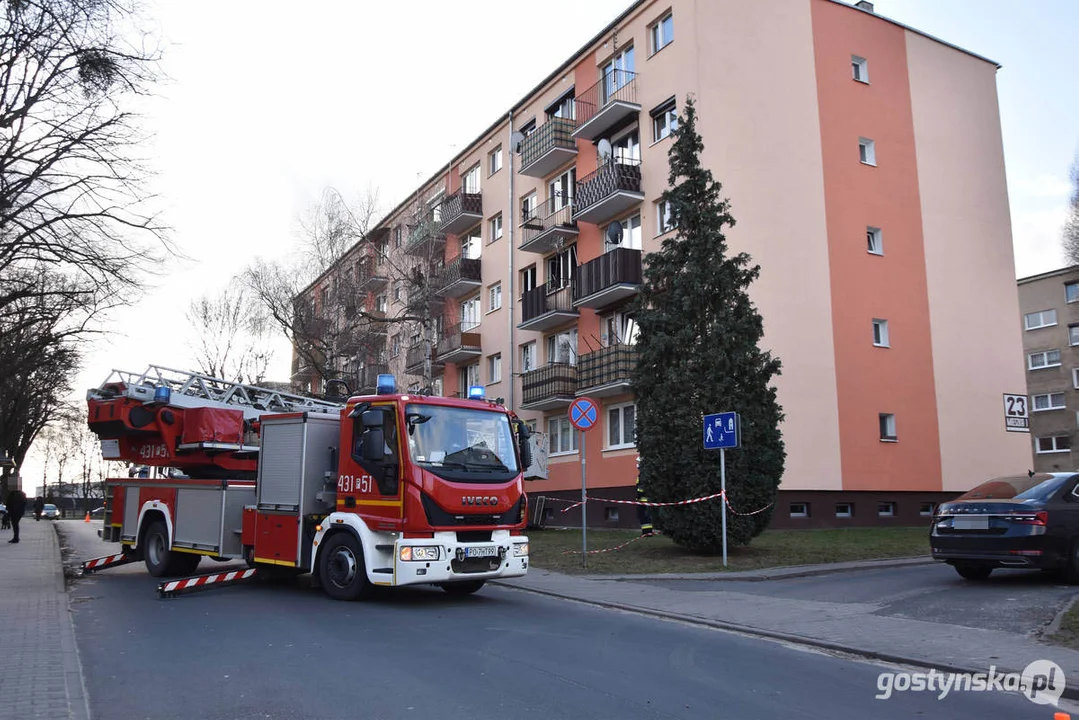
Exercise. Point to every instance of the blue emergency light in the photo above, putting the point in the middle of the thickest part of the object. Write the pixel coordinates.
(162, 394)
(476, 392)
(386, 385)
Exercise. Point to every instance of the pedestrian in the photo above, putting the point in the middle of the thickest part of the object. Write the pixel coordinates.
(39, 507)
(16, 506)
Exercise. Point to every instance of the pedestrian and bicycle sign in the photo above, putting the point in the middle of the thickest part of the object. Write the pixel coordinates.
(584, 413)
(1016, 413)
(721, 431)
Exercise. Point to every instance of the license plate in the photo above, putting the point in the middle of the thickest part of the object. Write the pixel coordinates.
(478, 552)
(970, 523)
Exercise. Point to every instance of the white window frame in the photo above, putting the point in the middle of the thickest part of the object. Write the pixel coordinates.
(664, 218)
(494, 227)
(395, 346)
(1044, 356)
(924, 512)
(1055, 441)
(494, 368)
(1068, 288)
(880, 333)
(867, 151)
(874, 240)
(656, 37)
(859, 69)
(555, 425)
(529, 206)
(494, 297)
(562, 347)
(1075, 378)
(529, 276)
(560, 190)
(470, 314)
(887, 427)
(1040, 319)
(470, 375)
(528, 356)
(382, 303)
(1048, 399)
(622, 442)
(664, 121)
(470, 180)
(1073, 330)
(472, 243)
(494, 161)
(802, 513)
(886, 508)
(847, 512)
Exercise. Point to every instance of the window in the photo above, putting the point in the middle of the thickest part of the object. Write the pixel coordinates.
(927, 509)
(1073, 334)
(619, 328)
(867, 151)
(470, 243)
(631, 234)
(844, 510)
(617, 73)
(382, 303)
(528, 206)
(560, 268)
(397, 236)
(470, 180)
(398, 291)
(528, 357)
(436, 387)
(859, 68)
(662, 33)
(527, 129)
(886, 509)
(494, 228)
(1044, 359)
(560, 190)
(1071, 291)
(1054, 444)
(1049, 401)
(627, 147)
(562, 436)
(874, 241)
(664, 221)
(563, 107)
(664, 120)
(469, 376)
(494, 160)
(887, 427)
(395, 346)
(494, 296)
(494, 368)
(799, 510)
(1040, 319)
(1075, 378)
(621, 426)
(880, 333)
(610, 514)
(470, 314)
(528, 279)
(562, 347)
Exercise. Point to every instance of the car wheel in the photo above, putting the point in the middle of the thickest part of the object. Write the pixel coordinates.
(342, 572)
(1071, 570)
(973, 572)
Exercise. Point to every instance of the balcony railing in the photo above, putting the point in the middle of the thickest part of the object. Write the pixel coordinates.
(366, 378)
(606, 103)
(611, 277)
(544, 235)
(459, 342)
(458, 278)
(552, 386)
(461, 211)
(614, 187)
(607, 371)
(414, 359)
(422, 237)
(546, 307)
(548, 147)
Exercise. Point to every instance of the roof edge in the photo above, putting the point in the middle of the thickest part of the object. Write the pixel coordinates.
(1047, 274)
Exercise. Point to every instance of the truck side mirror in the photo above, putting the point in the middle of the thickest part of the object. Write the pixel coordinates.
(525, 446)
(371, 419)
(374, 442)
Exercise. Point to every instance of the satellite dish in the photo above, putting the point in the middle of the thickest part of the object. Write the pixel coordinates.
(515, 141)
(614, 233)
(604, 147)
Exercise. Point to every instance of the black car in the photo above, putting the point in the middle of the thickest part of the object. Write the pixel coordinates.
(1029, 521)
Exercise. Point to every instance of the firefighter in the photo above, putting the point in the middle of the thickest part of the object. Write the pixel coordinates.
(643, 516)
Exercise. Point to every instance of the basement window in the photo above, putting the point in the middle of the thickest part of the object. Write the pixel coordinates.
(799, 510)
(844, 510)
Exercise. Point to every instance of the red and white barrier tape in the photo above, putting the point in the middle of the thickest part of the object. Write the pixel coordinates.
(610, 549)
(678, 503)
(98, 562)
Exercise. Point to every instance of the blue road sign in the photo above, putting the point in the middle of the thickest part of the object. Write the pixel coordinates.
(584, 413)
(722, 431)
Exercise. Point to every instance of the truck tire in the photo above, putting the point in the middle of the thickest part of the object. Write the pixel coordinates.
(160, 561)
(183, 563)
(463, 588)
(342, 572)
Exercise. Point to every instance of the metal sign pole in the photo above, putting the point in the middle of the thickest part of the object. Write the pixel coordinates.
(584, 505)
(723, 487)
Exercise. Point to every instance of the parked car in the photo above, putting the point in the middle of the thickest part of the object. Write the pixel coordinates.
(50, 512)
(1028, 521)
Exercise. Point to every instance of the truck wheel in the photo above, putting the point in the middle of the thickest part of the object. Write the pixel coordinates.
(973, 572)
(463, 588)
(342, 572)
(155, 551)
(183, 563)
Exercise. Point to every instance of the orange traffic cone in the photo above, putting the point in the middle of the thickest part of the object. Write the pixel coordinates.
(1061, 716)
(87, 516)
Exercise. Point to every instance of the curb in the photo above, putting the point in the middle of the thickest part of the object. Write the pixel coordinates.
(1071, 692)
(737, 576)
(75, 682)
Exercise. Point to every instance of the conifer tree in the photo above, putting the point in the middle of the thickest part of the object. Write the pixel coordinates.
(699, 353)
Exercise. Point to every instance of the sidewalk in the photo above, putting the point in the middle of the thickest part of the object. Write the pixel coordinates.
(40, 676)
(843, 627)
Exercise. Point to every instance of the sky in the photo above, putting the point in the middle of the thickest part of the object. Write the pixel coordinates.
(265, 104)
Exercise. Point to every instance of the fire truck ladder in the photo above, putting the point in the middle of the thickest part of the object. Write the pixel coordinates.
(188, 389)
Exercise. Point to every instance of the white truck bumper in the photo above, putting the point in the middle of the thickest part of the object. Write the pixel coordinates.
(503, 556)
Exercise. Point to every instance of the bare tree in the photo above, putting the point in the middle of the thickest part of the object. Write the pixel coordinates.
(230, 335)
(1071, 224)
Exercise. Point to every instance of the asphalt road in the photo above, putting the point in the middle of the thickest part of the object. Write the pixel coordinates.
(264, 651)
(1010, 600)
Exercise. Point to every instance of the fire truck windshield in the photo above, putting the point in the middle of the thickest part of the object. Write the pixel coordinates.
(461, 441)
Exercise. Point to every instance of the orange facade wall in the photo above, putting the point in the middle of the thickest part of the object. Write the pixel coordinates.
(872, 380)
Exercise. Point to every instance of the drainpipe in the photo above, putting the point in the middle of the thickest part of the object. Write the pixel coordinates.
(509, 264)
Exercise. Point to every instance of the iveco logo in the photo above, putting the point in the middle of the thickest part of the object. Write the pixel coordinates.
(479, 500)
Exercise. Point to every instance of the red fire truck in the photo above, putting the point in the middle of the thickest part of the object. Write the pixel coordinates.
(387, 489)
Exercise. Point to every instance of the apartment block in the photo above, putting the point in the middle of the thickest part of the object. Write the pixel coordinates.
(1050, 324)
(864, 164)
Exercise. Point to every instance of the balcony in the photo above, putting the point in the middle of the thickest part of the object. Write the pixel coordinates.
(611, 277)
(457, 346)
(550, 387)
(543, 308)
(375, 326)
(414, 359)
(612, 189)
(548, 148)
(366, 379)
(606, 371)
(460, 277)
(545, 235)
(605, 104)
(461, 211)
(425, 240)
(370, 279)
